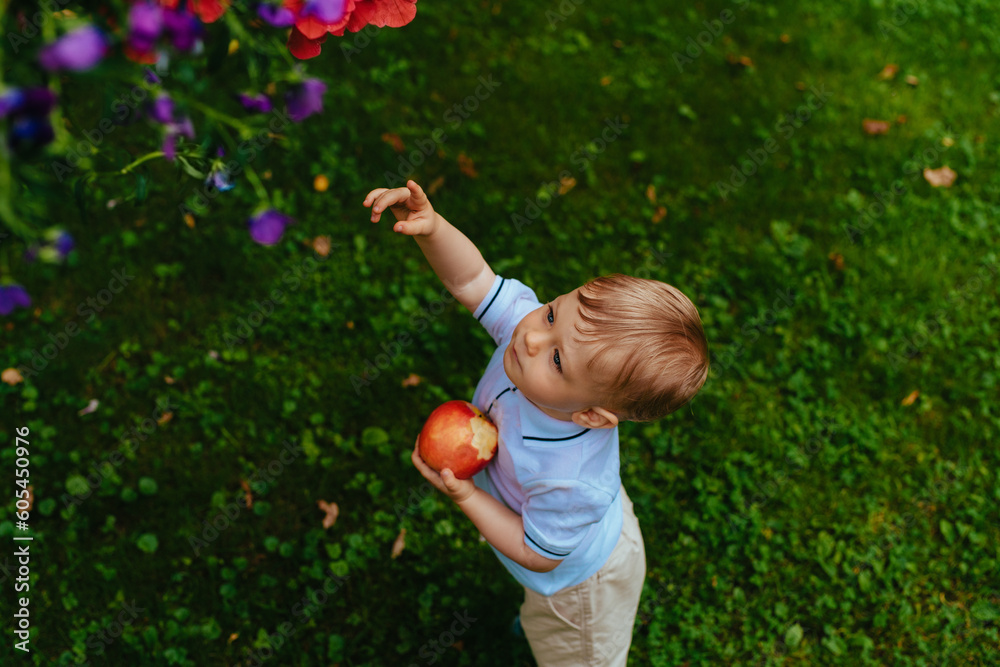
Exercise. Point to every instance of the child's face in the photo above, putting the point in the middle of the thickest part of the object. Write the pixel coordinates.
(542, 343)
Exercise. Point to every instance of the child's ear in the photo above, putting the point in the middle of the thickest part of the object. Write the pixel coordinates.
(595, 418)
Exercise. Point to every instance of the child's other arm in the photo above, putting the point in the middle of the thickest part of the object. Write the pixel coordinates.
(455, 259)
(501, 527)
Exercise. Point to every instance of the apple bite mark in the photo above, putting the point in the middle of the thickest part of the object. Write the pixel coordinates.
(484, 438)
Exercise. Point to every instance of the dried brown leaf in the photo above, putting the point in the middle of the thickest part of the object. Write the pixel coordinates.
(466, 165)
(332, 511)
(399, 544)
(411, 381)
(435, 185)
(12, 376)
(888, 72)
(394, 140)
(566, 183)
(321, 244)
(872, 126)
(911, 398)
(943, 177)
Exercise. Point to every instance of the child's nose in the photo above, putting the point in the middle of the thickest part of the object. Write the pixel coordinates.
(533, 341)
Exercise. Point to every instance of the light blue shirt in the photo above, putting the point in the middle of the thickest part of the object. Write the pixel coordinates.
(563, 479)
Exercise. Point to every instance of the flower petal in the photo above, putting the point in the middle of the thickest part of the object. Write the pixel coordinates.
(78, 51)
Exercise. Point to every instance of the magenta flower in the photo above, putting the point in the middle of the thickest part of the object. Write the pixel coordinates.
(259, 103)
(12, 295)
(267, 226)
(276, 15)
(306, 99)
(325, 11)
(145, 23)
(183, 27)
(162, 109)
(79, 50)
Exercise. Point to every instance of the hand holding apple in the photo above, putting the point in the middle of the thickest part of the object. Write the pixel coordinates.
(459, 437)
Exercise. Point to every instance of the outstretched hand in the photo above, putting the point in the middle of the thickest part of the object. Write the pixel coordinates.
(414, 214)
(445, 481)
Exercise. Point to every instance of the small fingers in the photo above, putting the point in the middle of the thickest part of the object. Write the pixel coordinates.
(372, 196)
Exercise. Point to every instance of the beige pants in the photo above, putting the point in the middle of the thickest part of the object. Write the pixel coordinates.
(590, 624)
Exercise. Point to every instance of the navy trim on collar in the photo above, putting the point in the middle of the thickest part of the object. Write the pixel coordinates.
(543, 548)
(494, 401)
(499, 287)
(568, 437)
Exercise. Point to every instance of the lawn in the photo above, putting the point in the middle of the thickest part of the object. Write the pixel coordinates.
(829, 498)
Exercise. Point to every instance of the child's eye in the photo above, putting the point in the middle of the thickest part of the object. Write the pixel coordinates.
(555, 357)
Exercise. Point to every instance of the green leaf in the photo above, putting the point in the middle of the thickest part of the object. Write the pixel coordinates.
(148, 543)
(147, 486)
(984, 610)
(373, 436)
(947, 530)
(77, 485)
(793, 635)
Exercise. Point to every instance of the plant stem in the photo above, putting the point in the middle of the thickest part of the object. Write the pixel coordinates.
(251, 173)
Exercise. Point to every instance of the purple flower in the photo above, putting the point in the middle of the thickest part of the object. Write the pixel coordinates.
(150, 76)
(259, 103)
(276, 15)
(58, 244)
(145, 23)
(326, 11)
(162, 109)
(267, 226)
(12, 295)
(78, 50)
(27, 132)
(306, 99)
(183, 127)
(28, 110)
(219, 177)
(183, 27)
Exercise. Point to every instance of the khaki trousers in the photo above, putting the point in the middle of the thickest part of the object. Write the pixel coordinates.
(590, 624)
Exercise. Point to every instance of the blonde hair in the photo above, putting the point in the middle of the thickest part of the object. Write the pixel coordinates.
(651, 355)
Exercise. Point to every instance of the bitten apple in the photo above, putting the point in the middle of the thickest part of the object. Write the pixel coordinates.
(458, 436)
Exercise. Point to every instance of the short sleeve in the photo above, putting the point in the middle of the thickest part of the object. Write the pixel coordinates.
(558, 517)
(507, 302)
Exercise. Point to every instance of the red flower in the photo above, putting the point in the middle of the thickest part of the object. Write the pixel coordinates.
(208, 11)
(309, 33)
(382, 13)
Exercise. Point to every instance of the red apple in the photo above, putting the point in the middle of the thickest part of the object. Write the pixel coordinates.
(458, 436)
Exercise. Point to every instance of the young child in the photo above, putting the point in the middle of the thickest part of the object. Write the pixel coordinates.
(564, 374)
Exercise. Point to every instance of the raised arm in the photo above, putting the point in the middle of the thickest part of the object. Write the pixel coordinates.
(455, 259)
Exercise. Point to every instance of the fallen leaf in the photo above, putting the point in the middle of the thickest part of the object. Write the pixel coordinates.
(651, 193)
(837, 259)
(659, 214)
(785, 38)
(872, 126)
(947, 141)
(466, 165)
(249, 496)
(31, 496)
(942, 177)
(912, 80)
(233, 637)
(331, 510)
(90, 407)
(715, 582)
(605, 80)
(566, 183)
(412, 381)
(901, 119)
(267, 175)
(399, 544)
(168, 379)
(350, 324)
(745, 61)
(321, 183)
(911, 398)
(12, 376)
(164, 418)
(888, 72)
(394, 141)
(189, 220)
(435, 185)
(321, 244)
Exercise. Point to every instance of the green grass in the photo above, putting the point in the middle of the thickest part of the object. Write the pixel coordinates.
(796, 513)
